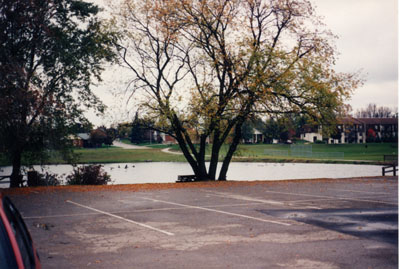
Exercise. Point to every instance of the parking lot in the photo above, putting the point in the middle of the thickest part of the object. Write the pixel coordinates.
(327, 223)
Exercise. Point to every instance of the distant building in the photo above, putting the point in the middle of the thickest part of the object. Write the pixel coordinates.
(385, 129)
(349, 130)
(80, 140)
(167, 139)
(356, 130)
(311, 133)
(256, 137)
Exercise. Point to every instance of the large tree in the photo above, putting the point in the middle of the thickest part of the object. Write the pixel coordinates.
(207, 66)
(50, 52)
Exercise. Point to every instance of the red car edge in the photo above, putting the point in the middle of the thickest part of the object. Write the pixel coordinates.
(16, 245)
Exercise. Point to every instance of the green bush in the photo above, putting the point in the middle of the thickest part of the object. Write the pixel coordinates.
(88, 175)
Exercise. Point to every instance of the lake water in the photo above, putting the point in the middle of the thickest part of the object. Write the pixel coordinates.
(167, 172)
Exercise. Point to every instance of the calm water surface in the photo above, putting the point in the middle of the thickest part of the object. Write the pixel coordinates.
(167, 172)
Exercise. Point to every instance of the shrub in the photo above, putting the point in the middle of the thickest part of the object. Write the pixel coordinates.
(88, 175)
(46, 179)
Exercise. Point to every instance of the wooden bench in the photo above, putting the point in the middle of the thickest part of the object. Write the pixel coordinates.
(389, 169)
(186, 178)
(393, 162)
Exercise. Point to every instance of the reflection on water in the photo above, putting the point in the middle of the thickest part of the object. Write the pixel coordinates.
(167, 172)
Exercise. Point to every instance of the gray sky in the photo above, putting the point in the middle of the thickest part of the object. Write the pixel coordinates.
(367, 31)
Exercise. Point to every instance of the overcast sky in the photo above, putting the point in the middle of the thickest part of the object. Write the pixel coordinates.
(367, 31)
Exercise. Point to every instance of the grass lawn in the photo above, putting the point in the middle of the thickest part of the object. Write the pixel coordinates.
(118, 155)
(113, 155)
(357, 153)
(350, 152)
(361, 152)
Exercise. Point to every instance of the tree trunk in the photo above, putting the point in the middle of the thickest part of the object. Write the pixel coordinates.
(198, 166)
(212, 171)
(16, 177)
(201, 162)
(229, 154)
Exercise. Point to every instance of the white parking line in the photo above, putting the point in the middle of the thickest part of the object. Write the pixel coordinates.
(59, 216)
(311, 200)
(242, 197)
(121, 218)
(117, 212)
(334, 198)
(263, 201)
(218, 211)
(370, 192)
(131, 211)
(313, 207)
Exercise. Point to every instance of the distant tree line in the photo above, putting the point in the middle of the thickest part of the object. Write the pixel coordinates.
(97, 137)
(102, 135)
(142, 131)
(375, 111)
(282, 128)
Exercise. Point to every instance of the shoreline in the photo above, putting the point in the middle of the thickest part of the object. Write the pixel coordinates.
(141, 187)
(235, 159)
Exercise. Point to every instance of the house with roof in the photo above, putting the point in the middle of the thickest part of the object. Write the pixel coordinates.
(348, 130)
(356, 130)
(167, 139)
(256, 137)
(311, 133)
(385, 129)
(80, 140)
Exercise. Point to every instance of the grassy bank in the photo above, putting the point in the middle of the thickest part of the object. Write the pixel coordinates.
(118, 155)
(358, 152)
(352, 153)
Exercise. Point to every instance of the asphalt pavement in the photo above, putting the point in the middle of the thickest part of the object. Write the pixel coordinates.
(333, 223)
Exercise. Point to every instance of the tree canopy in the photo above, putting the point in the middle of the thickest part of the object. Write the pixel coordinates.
(207, 66)
(50, 53)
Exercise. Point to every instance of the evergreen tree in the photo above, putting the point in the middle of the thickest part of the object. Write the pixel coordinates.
(137, 131)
